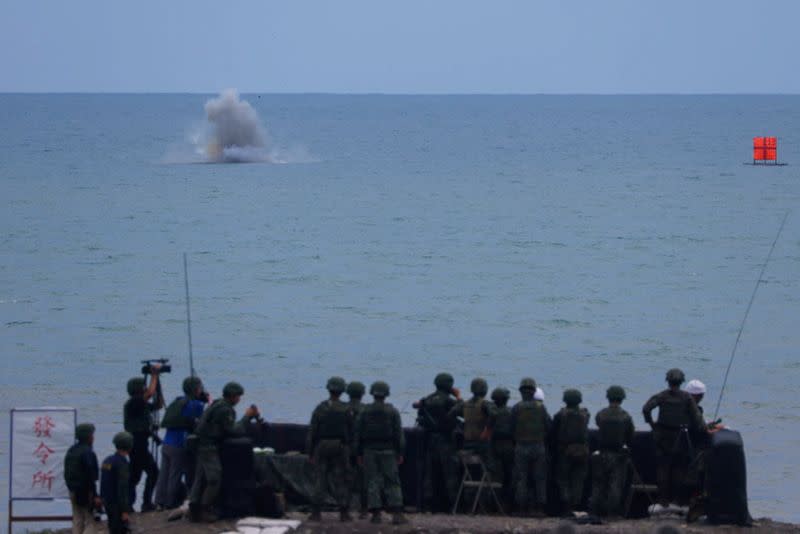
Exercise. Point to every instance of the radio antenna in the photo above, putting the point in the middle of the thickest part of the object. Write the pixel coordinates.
(188, 314)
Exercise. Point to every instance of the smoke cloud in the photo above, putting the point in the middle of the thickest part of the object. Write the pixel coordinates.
(235, 133)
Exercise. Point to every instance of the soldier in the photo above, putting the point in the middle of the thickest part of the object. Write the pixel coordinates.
(217, 423)
(530, 425)
(475, 413)
(440, 484)
(570, 435)
(138, 420)
(358, 494)
(610, 462)
(501, 444)
(80, 475)
(380, 444)
(114, 484)
(180, 419)
(677, 414)
(329, 436)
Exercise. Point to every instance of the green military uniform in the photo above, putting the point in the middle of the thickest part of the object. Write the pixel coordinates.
(358, 494)
(217, 423)
(328, 443)
(114, 484)
(501, 444)
(440, 482)
(570, 435)
(475, 413)
(610, 462)
(530, 425)
(380, 442)
(677, 415)
(81, 474)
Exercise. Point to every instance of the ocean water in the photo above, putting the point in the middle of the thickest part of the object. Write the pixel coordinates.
(580, 240)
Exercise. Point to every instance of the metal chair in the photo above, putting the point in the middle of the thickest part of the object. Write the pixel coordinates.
(470, 462)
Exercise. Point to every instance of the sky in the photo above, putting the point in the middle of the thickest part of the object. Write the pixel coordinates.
(408, 46)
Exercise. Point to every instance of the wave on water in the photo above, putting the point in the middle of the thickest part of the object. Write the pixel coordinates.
(233, 133)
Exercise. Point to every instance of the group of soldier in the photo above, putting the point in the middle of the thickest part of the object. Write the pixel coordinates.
(357, 448)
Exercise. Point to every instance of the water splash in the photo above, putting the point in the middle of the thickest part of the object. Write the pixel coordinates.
(234, 132)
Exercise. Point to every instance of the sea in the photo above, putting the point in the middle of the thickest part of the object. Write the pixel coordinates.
(583, 241)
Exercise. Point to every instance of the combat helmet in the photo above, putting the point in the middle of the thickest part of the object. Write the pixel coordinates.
(136, 385)
(615, 393)
(336, 384)
(123, 441)
(500, 394)
(83, 432)
(379, 389)
(572, 397)
(527, 383)
(675, 376)
(232, 389)
(443, 381)
(190, 385)
(355, 390)
(479, 387)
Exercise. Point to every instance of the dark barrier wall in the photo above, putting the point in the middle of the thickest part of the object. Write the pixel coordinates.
(285, 437)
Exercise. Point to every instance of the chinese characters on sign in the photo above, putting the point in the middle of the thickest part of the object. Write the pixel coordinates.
(40, 439)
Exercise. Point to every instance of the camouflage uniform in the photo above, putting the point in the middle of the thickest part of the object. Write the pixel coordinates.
(571, 442)
(677, 415)
(475, 413)
(440, 482)
(217, 423)
(358, 493)
(328, 444)
(530, 424)
(380, 442)
(610, 462)
(501, 445)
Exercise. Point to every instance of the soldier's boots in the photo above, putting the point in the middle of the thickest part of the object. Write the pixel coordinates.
(376, 517)
(344, 516)
(398, 518)
(315, 516)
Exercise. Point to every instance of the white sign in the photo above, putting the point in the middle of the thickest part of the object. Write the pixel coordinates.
(40, 438)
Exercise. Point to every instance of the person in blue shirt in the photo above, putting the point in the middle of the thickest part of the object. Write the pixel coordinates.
(180, 420)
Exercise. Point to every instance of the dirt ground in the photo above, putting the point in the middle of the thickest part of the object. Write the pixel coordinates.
(156, 522)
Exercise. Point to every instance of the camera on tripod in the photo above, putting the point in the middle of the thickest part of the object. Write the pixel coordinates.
(147, 368)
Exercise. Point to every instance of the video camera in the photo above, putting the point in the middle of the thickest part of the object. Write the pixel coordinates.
(147, 367)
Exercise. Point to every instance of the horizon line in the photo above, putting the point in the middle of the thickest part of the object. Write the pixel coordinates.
(379, 93)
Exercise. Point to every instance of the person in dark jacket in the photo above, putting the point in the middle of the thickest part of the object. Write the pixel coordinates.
(80, 474)
(114, 489)
(610, 463)
(570, 441)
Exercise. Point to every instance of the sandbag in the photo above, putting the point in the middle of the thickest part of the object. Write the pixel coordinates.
(726, 479)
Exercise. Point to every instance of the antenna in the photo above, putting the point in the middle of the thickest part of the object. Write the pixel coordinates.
(188, 314)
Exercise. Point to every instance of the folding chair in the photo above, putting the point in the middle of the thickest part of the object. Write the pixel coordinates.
(471, 461)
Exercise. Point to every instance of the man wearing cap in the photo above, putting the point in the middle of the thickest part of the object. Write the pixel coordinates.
(610, 461)
(217, 423)
(180, 419)
(380, 446)
(328, 446)
(80, 474)
(530, 426)
(677, 416)
(440, 482)
(114, 480)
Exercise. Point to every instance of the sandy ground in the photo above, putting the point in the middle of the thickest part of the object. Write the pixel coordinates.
(447, 524)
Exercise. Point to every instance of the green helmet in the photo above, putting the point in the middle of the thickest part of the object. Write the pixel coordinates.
(443, 381)
(190, 385)
(84, 431)
(615, 393)
(675, 376)
(572, 397)
(500, 394)
(527, 383)
(136, 385)
(336, 384)
(123, 441)
(379, 389)
(479, 387)
(355, 390)
(232, 389)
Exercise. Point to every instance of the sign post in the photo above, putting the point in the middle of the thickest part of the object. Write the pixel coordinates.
(40, 438)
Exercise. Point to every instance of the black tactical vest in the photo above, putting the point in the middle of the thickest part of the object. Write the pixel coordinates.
(376, 424)
(333, 422)
(474, 419)
(613, 425)
(530, 422)
(573, 428)
(502, 424)
(673, 409)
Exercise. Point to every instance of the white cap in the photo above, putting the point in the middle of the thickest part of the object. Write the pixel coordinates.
(695, 387)
(539, 395)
